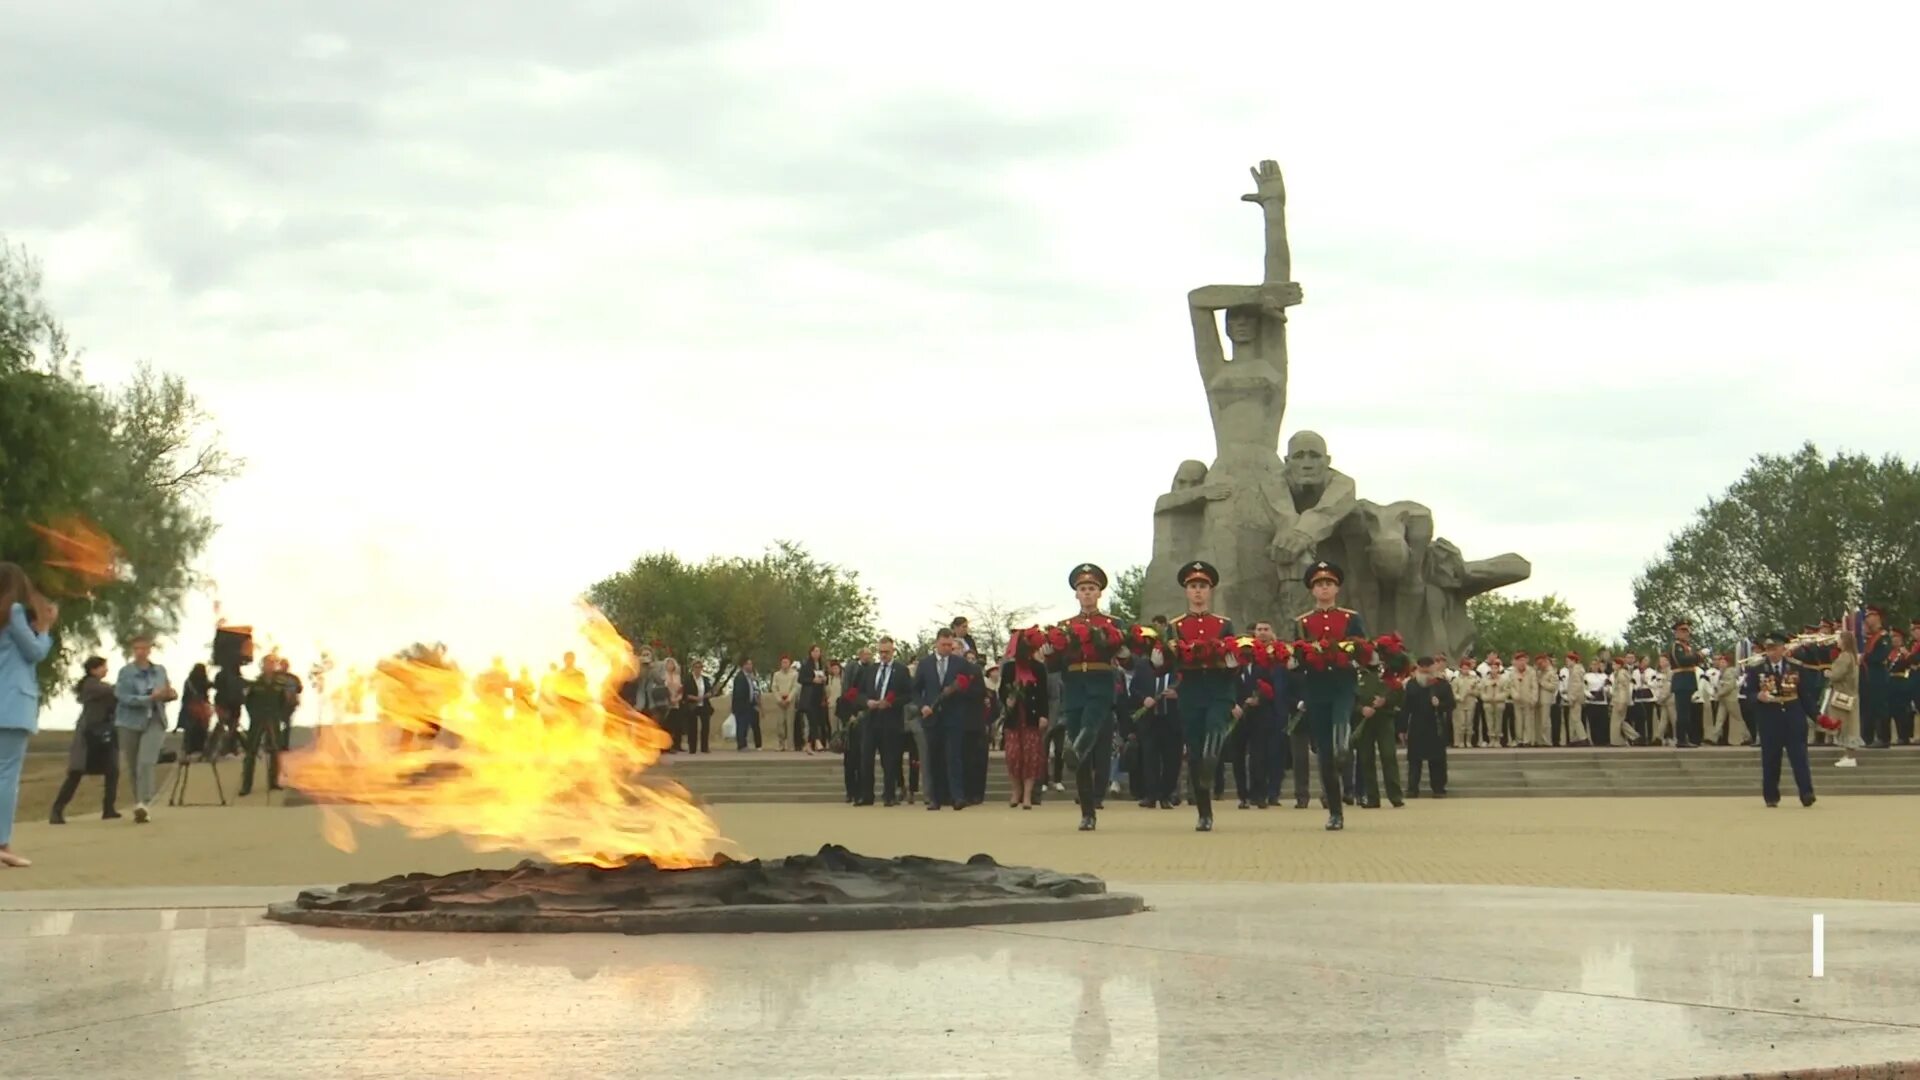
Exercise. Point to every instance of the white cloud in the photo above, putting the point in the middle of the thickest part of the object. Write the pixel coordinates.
(494, 303)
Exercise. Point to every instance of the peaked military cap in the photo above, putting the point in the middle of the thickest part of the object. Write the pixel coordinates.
(1087, 571)
(1327, 571)
(1199, 568)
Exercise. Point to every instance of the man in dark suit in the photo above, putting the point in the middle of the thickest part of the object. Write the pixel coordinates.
(746, 705)
(884, 686)
(1774, 684)
(1429, 700)
(949, 690)
(1160, 742)
(698, 696)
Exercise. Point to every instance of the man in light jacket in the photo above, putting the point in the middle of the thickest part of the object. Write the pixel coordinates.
(143, 691)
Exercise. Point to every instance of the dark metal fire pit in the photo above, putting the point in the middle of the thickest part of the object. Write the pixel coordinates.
(833, 890)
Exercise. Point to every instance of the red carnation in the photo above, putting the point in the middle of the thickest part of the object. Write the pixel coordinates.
(961, 682)
(1265, 688)
(852, 695)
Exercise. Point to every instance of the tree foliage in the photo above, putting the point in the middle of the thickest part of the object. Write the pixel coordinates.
(1795, 539)
(717, 611)
(137, 461)
(1128, 595)
(990, 620)
(1504, 625)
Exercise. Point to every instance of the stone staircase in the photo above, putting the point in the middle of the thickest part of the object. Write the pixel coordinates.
(728, 776)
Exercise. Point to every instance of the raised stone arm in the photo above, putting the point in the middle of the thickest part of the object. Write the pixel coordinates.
(1270, 191)
(1486, 575)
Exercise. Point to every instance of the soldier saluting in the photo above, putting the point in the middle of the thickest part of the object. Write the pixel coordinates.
(1684, 680)
(1203, 649)
(1328, 690)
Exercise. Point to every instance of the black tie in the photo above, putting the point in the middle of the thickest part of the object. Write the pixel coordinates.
(881, 690)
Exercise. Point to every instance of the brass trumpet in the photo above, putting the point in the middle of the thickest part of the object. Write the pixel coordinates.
(1798, 641)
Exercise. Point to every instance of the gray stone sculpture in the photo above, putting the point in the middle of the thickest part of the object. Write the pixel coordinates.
(1261, 520)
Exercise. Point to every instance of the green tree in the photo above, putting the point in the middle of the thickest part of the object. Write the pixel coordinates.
(136, 461)
(1503, 625)
(990, 620)
(719, 610)
(1795, 539)
(1128, 595)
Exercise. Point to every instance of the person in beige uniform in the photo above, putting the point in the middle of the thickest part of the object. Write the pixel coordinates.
(1525, 696)
(1662, 683)
(1546, 684)
(1573, 695)
(1496, 691)
(782, 696)
(1466, 695)
(1726, 703)
(1619, 696)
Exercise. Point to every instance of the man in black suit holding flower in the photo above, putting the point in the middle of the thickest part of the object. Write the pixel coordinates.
(949, 690)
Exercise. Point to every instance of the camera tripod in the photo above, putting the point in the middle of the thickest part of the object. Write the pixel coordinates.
(208, 756)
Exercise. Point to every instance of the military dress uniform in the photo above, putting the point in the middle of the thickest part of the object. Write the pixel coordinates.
(1782, 722)
(1373, 738)
(1207, 694)
(1685, 682)
(1329, 694)
(1087, 696)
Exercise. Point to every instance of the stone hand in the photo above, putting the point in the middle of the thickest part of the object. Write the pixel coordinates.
(1268, 187)
(1276, 299)
(1290, 547)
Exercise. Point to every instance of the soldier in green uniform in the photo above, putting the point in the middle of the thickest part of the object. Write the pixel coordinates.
(269, 704)
(1202, 648)
(1329, 691)
(1380, 692)
(1688, 730)
(1087, 686)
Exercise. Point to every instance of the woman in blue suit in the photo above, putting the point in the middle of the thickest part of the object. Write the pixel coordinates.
(24, 642)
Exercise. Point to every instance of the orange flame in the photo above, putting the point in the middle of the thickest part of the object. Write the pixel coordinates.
(78, 547)
(558, 772)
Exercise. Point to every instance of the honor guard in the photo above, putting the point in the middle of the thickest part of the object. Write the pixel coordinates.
(1207, 682)
(1686, 661)
(1329, 692)
(1088, 688)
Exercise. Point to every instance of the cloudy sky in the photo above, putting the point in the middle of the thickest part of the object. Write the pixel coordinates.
(493, 297)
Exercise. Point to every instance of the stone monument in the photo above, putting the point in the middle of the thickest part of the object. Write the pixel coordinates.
(1261, 519)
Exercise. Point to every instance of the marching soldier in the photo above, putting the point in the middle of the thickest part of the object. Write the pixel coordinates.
(1619, 696)
(1684, 680)
(1466, 697)
(1206, 682)
(1775, 686)
(1329, 692)
(1088, 688)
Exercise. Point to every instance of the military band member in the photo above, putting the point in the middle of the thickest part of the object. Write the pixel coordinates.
(1619, 698)
(1329, 693)
(1814, 657)
(1206, 687)
(1775, 687)
(1876, 681)
(1900, 696)
(1466, 699)
(1088, 689)
(1729, 727)
(1686, 661)
(1593, 708)
(1640, 711)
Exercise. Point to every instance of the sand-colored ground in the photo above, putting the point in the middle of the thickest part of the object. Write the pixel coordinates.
(1864, 847)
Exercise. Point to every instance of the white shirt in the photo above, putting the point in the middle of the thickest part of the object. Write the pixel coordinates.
(1597, 687)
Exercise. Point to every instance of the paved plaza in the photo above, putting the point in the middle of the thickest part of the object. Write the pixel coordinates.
(1483, 938)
